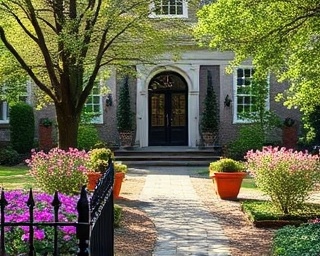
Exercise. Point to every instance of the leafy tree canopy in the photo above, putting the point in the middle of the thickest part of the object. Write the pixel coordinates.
(279, 36)
(62, 45)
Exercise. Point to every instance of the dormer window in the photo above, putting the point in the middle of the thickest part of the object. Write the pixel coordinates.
(169, 9)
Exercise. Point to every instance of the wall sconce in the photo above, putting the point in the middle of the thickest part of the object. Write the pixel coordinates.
(109, 100)
(227, 101)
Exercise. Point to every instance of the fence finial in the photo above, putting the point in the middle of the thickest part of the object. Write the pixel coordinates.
(83, 228)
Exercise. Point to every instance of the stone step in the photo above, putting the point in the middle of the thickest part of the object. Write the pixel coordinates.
(167, 156)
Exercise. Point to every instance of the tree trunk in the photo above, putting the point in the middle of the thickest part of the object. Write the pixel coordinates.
(68, 124)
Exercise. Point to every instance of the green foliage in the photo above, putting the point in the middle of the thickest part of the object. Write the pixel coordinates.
(117, 215)
(22, 127)
(302, 240)
(311, 120)
(282, 45)
(47, 122)
(93, 36)
(287, 176)
(118, 167)
(250, 136)
(210, 116)
(59, 170)
(88, 136)
(99, 158)
(225, 165)
(124, 112)
(9, 156)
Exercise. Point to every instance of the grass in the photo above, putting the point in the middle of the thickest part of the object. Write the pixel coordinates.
(15, 177)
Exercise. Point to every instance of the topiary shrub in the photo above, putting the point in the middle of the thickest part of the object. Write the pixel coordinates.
(287, 176)
(22, 127)
(250, 137)
(59, 170)
(9, 156)
(210, 116)
(124, 113)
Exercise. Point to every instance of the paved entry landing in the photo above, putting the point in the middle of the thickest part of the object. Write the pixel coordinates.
(184, 225)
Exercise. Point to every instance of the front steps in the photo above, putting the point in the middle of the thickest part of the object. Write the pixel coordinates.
(167, 156)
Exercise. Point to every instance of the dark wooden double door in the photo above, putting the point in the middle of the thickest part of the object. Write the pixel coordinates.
(168, 123)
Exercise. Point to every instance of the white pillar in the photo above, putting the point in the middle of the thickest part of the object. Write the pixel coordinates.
(193, 106)
(142, 135)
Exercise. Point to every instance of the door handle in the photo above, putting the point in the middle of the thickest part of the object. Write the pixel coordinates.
(167, 117)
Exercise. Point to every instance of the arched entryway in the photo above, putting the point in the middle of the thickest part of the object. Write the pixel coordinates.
(168, 110)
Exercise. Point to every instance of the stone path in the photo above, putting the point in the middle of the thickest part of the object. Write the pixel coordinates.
(183, 224)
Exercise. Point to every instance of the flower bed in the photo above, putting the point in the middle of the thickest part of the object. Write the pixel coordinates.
(16, 238)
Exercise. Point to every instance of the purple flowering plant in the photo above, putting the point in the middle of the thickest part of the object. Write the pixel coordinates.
(287, 176)
(59, 170)
(16, 238)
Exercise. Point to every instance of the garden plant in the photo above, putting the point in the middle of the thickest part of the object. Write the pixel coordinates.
(287, 176)
(59, 170)
(302, 240)
(16, 237)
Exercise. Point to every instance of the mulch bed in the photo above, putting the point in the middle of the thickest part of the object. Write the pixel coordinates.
(136, 235)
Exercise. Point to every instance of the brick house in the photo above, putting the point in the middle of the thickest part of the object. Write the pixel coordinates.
(167, 98)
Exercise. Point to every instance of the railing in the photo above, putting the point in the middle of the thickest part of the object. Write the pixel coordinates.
(102, 216)
(94, 228)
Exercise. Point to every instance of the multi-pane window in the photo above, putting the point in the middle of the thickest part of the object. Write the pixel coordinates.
(21, 94)
(4, 112)
(93, 106)
(170, 8)
(244, 94)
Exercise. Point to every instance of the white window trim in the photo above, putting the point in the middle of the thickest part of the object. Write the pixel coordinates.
(5, 105)
(98, 119)
(153, 15)
(234, 98)
(5, 109)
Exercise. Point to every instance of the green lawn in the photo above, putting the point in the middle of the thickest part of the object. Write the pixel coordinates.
(15, 177)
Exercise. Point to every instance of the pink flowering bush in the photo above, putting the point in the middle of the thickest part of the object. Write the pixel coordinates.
(287, 176)
(59, 170)
(16, 238)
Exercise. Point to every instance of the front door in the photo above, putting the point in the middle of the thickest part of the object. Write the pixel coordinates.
(168, 110)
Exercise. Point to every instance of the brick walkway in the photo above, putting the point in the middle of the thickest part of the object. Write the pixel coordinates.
(184, 225)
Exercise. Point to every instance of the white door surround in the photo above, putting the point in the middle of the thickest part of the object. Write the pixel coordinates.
(191, 75)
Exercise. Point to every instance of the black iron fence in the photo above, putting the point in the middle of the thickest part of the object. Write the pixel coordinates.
(94, 227)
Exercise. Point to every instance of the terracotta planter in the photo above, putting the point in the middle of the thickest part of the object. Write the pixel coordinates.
(289, 137)
(45, 137)
(208, 139)
(126, 139)
(93, 178)
(227, 184)
(118, 179)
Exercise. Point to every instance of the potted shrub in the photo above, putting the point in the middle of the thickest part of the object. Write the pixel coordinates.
(209, 123)
(99, 158)
(227, 175)
(125, 115)
(119, 173)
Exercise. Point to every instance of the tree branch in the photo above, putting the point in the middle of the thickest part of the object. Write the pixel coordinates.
(42, 45)
(35, 39)
(24, 65)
